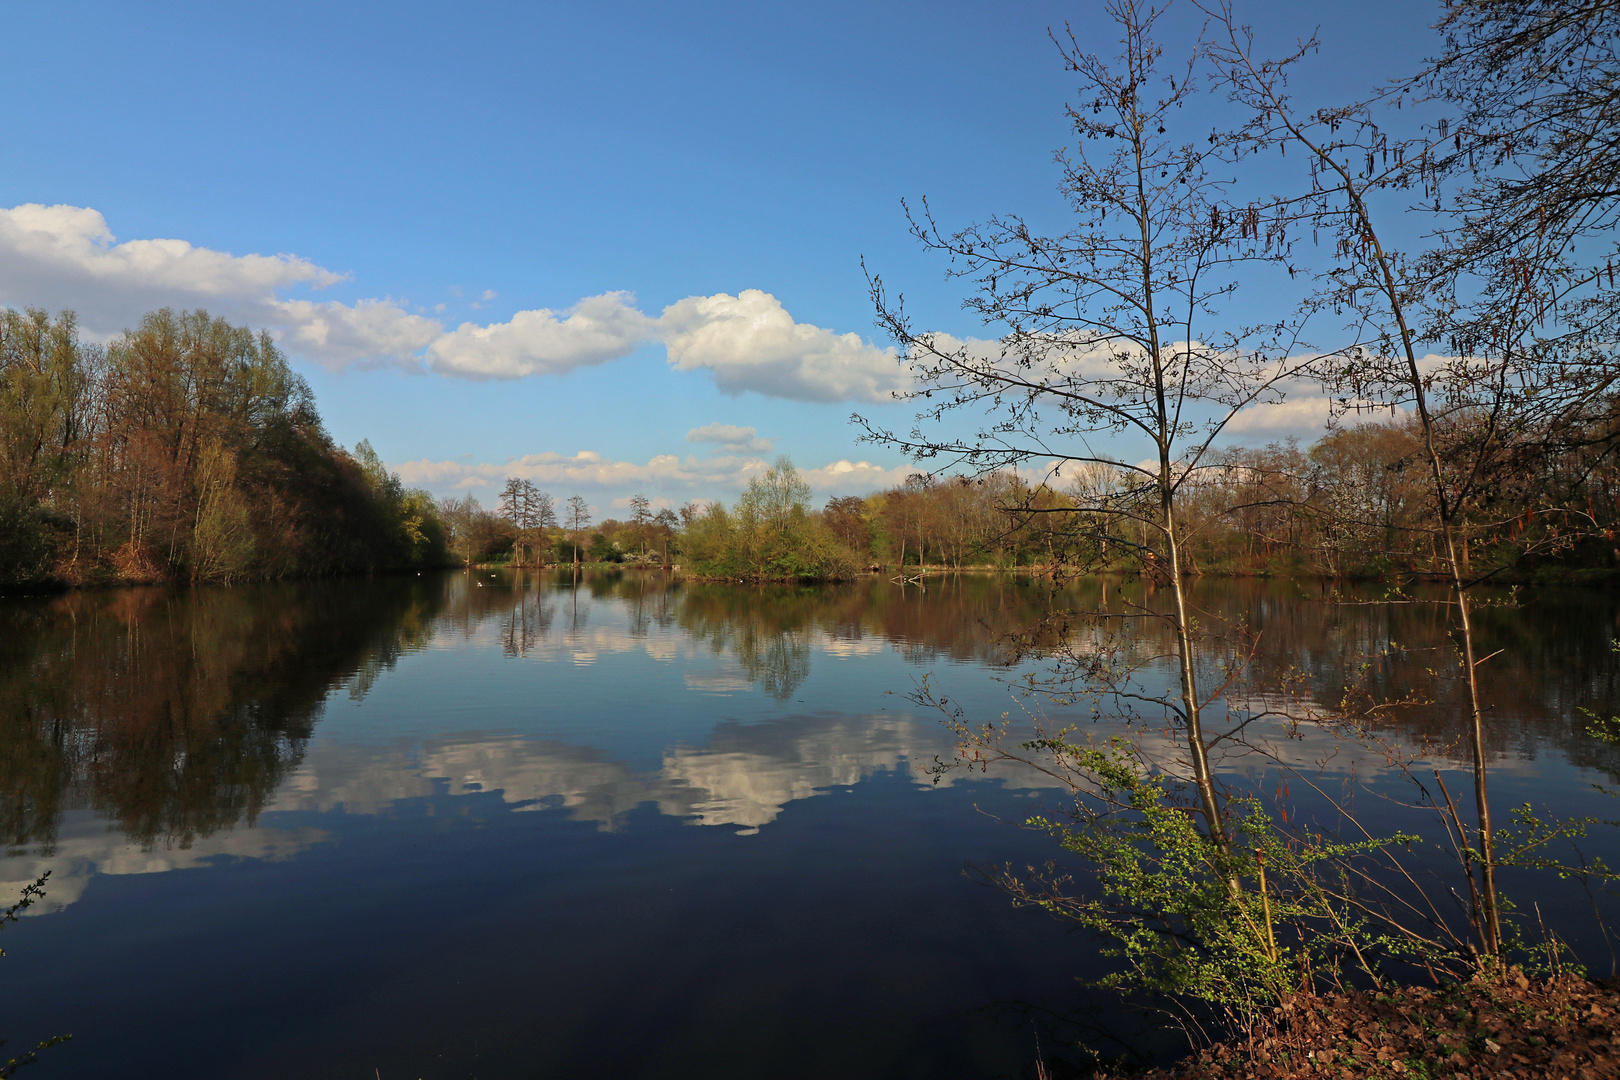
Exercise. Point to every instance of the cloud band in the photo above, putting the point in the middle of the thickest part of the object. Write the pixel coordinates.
(67, 257)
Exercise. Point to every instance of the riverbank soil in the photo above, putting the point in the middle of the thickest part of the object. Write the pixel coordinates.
(1506, 1026)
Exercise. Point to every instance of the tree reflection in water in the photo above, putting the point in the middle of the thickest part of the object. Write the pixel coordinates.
(620, 705)
(176, 713)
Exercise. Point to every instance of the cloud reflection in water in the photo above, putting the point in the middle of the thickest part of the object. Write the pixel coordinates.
(744, 777)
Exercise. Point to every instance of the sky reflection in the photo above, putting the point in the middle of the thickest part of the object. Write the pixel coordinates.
(717, 706)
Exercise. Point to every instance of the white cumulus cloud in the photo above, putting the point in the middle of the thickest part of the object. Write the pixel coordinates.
(1300, 417)
(589, 471)
(67, 257)
(750, 342)
(846, 477)
(1305, 414)
(678, 478)
(538, 342)
(369, 332)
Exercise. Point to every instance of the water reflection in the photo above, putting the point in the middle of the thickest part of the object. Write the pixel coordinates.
(492, 814)
(369, 731)
(1552, 660)
(742, 778)
(174, 714)
(84, 848)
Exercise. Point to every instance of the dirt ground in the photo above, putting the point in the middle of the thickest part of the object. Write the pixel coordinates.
(1506, 1026)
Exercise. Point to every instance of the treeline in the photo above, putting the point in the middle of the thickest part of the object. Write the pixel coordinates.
(773, 532)
(770, 533)
(1360, 502)
(184, 449)
(187, 449)
(1354, 504)
(527, 527)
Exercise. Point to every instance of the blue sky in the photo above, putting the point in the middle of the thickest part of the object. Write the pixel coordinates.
(417, 167)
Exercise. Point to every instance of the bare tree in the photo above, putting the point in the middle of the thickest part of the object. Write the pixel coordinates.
(1517, 385)
(542, 516)
(666, 523)
(1537, 87)
(513, 506)
(1351, 163)
(528, 509)
(641, 517)
(576, 519)
(1115, 349)
(460, 517)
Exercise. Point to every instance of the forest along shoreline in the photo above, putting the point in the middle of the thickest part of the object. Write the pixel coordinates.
(187, 449)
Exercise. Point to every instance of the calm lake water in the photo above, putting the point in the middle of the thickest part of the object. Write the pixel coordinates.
(504, 825)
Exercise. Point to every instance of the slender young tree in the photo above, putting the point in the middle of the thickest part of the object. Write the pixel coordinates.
(1514, 386)
(641, 517)
(516, 506)
(666, 522)
(1352, 164)
(1112, 348)
(542, 516)
(576, 519)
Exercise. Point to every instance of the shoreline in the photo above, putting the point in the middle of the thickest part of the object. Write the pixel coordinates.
(1539, 577)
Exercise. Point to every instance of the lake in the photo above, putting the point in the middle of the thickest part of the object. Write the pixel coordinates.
(507, 824)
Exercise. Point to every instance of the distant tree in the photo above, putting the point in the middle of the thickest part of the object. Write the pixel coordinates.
(461, 519)
(514, 507)
(665, 523)
(902, 514)
(184, 389)
(530, 511)
(185, 448)
(412, 534)
(576, 519)
(641, 518)
(770, 534)
(542, 514)
(845, 515)
(769, 511)
(45, 421)
(603, 549)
